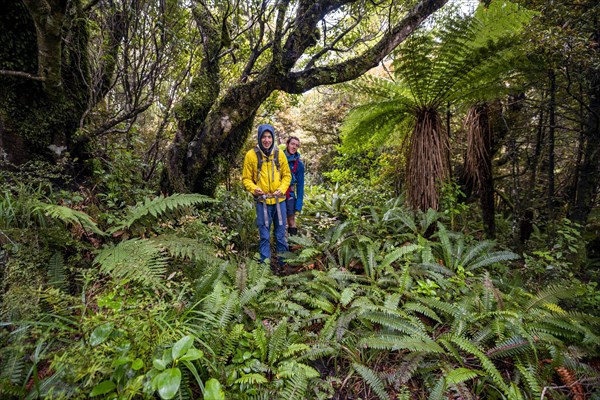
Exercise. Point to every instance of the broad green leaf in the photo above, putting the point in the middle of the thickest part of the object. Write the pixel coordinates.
(120, 361)
(192, 354)
(137, 364)
(167, 383)
(101, 333)
(103, 388)
(182, 346)
(213, 390)
(159, 364)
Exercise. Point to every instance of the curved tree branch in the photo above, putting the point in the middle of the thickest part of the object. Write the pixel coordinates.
(300, 82)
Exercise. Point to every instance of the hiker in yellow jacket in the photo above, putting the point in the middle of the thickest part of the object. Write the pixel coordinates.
(267, 176)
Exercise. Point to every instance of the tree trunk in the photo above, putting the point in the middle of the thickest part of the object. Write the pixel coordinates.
(587, 185)
(551, 154)
(428, 166)
(41, 101)
(479, 162)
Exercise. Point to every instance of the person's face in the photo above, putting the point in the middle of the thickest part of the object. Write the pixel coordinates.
(266, 139)
(293, 146)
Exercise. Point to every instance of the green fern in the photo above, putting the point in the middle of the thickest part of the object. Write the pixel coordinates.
(152, 209)
(69, 216)
(56, 271)
(374, 381)
(137, 260)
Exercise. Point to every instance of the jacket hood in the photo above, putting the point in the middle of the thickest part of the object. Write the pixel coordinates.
(261, 130)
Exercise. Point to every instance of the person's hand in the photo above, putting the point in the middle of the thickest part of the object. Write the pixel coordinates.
(277, 192)
(258, 191)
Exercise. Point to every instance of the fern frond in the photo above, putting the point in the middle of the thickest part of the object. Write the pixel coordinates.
(295, 387)
(549, 295)
(137, 260)
(371, 378)
(422, 309)
(277, 343)
(396, 322)
(160, 206)
(459, 375)
(531, 377)
(56, 271)
(493, 258)
(185, 248)
(486, 363)
(69, 216)
(392, 342)
(251, 379)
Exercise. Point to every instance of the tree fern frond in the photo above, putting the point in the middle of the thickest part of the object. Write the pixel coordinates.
(138, 260)
(160, 206)
(374, 381)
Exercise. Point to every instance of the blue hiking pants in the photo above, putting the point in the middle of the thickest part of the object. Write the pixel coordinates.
(265, 228)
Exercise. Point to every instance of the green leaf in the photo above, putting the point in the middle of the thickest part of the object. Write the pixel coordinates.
(103, 388)
(159, 364)
(182, 346)
(101, 333)
(167, 383)
(137, 364)
(460, 375)
(192, 354)
(120, 361)
(213, 390)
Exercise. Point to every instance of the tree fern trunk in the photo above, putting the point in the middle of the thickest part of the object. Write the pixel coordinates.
(479, 162)
(428, 166)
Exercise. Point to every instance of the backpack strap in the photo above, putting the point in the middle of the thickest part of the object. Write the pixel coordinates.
(259, 164)
(260, 161)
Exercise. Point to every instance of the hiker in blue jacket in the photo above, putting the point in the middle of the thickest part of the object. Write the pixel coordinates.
(295, 193)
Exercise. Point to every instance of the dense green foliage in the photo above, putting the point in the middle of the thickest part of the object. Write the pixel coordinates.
(163, 302)
(111, 290)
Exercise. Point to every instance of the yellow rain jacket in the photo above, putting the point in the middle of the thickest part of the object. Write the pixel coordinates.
(270, 179)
